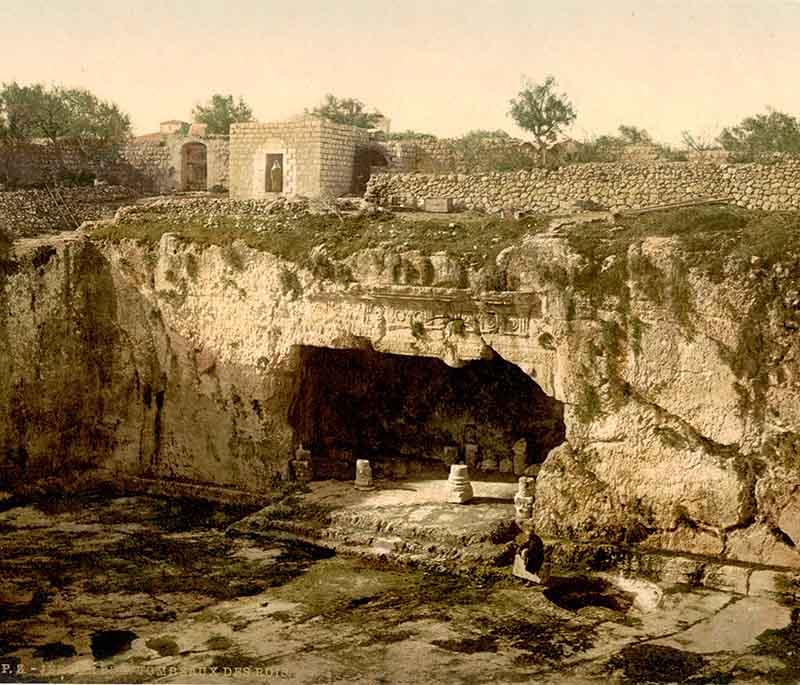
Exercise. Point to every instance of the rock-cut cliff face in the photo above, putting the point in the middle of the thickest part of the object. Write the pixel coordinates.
(666, 380)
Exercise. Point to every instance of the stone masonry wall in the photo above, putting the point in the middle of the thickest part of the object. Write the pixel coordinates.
(157, 165)
(318, 157)
(339, 145)
(147, 164)
(616, 186)
(298, 142)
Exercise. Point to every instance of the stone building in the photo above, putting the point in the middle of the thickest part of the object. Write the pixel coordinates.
(179, 157)
(308, 156)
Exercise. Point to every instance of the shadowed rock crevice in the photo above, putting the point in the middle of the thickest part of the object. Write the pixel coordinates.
(416, 414)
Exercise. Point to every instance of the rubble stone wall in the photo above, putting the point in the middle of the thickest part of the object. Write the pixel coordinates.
(28, 212)
(615, 186)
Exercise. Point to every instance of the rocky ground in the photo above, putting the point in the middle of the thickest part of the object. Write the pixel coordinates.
(142, 589)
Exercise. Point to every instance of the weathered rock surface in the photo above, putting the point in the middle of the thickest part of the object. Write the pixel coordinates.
(179, 362)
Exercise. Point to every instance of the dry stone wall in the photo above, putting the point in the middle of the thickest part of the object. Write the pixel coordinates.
(28, 212)
(616, 186)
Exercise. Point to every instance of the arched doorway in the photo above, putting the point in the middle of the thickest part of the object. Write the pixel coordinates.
(194, 167)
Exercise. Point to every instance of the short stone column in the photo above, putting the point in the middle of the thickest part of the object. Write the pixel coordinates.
(520, 456)
(363, 475)
(459, 489)
(301, 465)
(523, 500)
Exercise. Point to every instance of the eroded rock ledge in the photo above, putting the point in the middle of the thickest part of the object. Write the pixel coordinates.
(676, 359)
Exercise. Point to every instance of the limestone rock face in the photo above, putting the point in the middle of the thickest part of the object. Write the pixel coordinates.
(176, 361)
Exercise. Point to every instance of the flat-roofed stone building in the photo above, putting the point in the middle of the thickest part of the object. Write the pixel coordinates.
(309, 156)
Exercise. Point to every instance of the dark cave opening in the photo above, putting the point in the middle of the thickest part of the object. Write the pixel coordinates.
(414, 416)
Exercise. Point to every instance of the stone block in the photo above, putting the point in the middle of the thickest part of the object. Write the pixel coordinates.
(363, 475)
(441, 205)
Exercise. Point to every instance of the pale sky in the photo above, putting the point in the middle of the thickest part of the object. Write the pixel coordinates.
(439, 66)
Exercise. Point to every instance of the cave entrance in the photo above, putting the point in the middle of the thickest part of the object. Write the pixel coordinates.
(414, 416)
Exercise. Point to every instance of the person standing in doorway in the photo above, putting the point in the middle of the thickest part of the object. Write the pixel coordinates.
(276, 177)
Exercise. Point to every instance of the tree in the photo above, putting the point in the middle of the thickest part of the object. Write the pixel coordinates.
(697, 142)
(222, 111)
(60, 114)
(347, 111)
(762, 134)
(632, 135)
(539, 109)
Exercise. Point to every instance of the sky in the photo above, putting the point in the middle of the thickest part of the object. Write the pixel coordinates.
(439, 66)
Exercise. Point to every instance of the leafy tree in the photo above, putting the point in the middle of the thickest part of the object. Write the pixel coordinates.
(632, 135)
(222, 111)
(762, 134)
(539, 109)
(346, 111)
(60, 114)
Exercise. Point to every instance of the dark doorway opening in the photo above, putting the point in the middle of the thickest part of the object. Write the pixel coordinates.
(195, 166)
(365, 159)
(273, 182)
(412, 416)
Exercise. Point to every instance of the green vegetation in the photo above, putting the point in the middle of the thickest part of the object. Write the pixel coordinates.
(589, 405)
(418, 329)
(409, 135)
(347, 111)
(762, 134)
(784, 644)
(542, 111)
(165, 646)
(477, 239)
(58, 114)
(220, 112)
(608, 148)
(711, 242)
